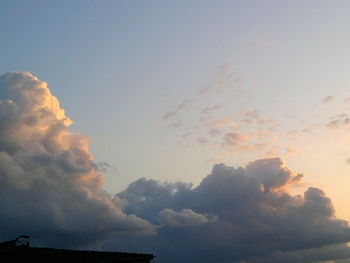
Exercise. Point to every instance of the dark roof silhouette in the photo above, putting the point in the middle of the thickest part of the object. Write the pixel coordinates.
(15, 252)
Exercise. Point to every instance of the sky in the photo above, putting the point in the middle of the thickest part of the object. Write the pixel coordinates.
(169, 119)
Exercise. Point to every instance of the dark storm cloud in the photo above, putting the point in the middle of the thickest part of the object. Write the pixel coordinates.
(243, 214)
(325, 254)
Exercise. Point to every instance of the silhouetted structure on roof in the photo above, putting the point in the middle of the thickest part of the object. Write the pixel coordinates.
(18, 250)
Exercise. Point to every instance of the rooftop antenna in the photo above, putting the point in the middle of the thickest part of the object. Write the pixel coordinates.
(22, 241)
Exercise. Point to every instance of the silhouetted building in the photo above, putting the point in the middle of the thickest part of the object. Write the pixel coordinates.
(18, 250)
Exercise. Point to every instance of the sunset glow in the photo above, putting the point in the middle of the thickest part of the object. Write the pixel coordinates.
(216, 126)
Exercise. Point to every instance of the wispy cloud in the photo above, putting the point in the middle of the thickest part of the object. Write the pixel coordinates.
(234, 139)
(209, 109)
(183, 105)
(260, 38)
(339, 121)
(327, 100)
(202, 140)
(216, 125)
(224, 75)
(291, 150)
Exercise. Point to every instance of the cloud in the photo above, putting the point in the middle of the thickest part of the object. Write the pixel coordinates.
(168, 115)
(339, 121)
(294, 132)
(176, 124)
(255, 216)
(252, 118)
(224, 75)
(327, 100)
(202, 140)
(207, 110)
(291, 150)
(186, 217)
(197, 115)
(234, 139)
(260, 133)
(222, 123)
(249, 113)
(238, 142)
(248, 134)
(183, 105)
(52, 190)
(50, 187)
(326, 254)
(260, 39)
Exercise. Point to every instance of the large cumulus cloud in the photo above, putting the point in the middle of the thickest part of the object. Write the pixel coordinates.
(50, 187)
(241, 214)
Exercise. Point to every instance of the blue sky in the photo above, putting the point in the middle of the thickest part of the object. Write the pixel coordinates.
(167, 89)
(118, 66)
